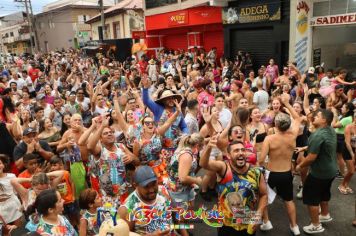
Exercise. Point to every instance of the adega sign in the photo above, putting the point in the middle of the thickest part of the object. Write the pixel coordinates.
(178, 18)
(341, 19)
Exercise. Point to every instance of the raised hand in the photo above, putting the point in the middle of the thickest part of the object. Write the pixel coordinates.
(206, 112)
(285, 98)
(178, 105)
(144, 81)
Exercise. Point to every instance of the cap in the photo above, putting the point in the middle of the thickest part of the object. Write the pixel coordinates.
(311, 70)
(144, 175)
(29, 131)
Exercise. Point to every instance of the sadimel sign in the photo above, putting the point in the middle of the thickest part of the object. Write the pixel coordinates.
(341, 19)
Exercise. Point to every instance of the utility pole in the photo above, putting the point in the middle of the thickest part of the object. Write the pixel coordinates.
(101, 2)
(34, 28)
(29, 23)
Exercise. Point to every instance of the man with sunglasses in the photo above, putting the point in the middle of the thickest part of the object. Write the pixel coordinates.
(242, 189)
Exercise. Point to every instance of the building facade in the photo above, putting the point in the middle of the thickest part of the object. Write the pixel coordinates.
(323, 32)
(260, 28)
(120, 20)
(62, 24)
(184, 24)
(15, 34)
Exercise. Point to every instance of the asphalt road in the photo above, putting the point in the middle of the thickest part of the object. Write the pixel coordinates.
(342, 210)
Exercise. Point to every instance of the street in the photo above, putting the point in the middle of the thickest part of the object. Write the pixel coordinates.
(342, 210)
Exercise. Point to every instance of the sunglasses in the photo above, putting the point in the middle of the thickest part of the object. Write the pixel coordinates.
(147, 123)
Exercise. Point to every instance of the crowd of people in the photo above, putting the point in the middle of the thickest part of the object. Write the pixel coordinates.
(80, 135)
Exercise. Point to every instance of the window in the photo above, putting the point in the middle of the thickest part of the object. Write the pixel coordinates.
(51, 24)
(159, 3)
(11, 34)
(334, 7)
(117, 31)
(107, 32)
(321, 8)
(83, 18)
(338, 7)
(352, 6)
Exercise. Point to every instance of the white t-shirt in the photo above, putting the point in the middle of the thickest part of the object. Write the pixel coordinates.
(29, 84)
(264, 82)
(85, 103)
(260, 98)
(20, 83)
(225, 117)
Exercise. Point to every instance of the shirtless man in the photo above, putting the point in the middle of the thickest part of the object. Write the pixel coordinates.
(283, 79)
(235, 95)
(72, 135)
(280, 148)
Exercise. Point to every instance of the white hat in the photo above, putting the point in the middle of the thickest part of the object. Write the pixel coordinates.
(311, 70)
(120, 229)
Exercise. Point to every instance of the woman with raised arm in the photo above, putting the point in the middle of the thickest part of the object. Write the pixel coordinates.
(257, 129)
(148, 146)
(131, 129)
(211, 127)
(182, 168)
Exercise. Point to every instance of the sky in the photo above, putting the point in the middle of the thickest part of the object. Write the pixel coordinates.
(10, 6)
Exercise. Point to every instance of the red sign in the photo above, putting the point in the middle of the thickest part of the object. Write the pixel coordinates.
(193, 17)
(178, 18)
(341, 19)
(138, 34)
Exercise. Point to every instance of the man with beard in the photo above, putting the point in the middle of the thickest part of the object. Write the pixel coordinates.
(110, 158)
(323, 168)
(241, 188)
(280, 147)
(148, 199)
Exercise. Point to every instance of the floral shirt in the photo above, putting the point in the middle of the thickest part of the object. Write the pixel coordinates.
(175, 185)
(147, 224)
(64, 228)
(112, 172)
(92, 228)
(150, 149)
(171, 137)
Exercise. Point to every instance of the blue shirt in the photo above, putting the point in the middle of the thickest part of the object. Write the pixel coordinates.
(158, 109)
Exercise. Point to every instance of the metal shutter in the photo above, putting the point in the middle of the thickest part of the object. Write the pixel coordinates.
(258, 42)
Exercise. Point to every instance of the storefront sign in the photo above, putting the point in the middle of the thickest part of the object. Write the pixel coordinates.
(178, 18)
(301, 46)
(203, 15)
(253, 12)
(317, 57)
(342, 19)
(138, 34)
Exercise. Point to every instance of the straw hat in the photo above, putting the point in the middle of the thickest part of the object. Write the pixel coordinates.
(120, 229)
(168, 94)
(152, 62)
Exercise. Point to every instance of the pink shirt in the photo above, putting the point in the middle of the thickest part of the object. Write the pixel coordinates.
(272, 71)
